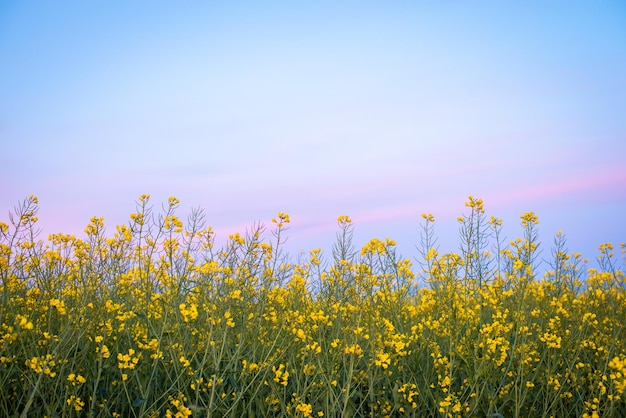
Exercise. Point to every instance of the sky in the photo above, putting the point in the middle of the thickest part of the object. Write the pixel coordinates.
(377, 110)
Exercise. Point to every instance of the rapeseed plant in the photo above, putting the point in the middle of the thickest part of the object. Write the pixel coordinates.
(155, 320)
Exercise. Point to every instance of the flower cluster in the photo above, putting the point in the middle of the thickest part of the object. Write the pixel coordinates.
(156, 320)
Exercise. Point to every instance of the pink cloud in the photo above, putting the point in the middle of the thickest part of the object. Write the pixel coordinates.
(603, 184)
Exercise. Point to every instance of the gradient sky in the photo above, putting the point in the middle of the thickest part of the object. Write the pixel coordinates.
(377, 110)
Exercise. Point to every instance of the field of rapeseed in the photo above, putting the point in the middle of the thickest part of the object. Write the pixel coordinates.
(155, 321)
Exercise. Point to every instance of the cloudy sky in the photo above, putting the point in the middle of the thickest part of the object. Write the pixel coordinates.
(377, 110)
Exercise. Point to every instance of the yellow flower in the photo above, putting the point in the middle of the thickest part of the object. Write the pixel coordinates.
(344, 220)
(551, 340)
(184, 361)
(529, 218)
(382, 360)
(495, 221)
(34, 364)
(280, 374)
(618, 374)
(431, 255)
(475, 203)
(42, 365)
(428, 217)
(353, 349)
(189, 313)
(104, 351)
(24, 323)
(75, 402)
(304, 408)
(59, 305)
(76, 379)
(283, 218)
(229, 319)
(127, 361)
(137, 218)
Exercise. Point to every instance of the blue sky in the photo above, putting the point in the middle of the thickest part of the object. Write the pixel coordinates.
(377, 110)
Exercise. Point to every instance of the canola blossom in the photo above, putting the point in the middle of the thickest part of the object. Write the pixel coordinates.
(154, 320)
